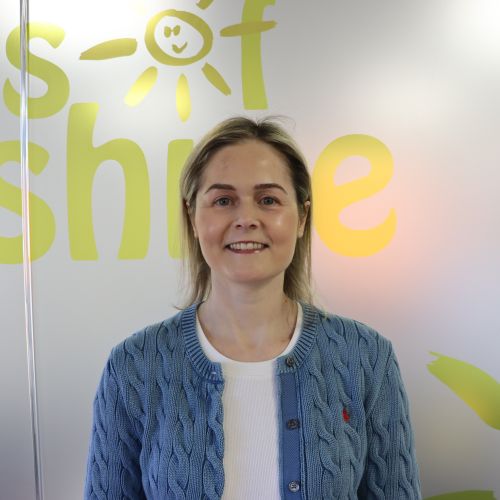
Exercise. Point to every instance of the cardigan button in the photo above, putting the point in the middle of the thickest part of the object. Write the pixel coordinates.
(293, 423)
(294, 486)
(290, 361)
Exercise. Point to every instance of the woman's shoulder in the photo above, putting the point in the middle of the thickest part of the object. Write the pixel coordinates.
(356, 348)
(352, 333)
(161, 335)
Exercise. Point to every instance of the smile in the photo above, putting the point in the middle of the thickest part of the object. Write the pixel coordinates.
(247, 245)
(178, 49)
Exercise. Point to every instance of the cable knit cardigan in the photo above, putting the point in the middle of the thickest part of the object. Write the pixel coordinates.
(344, 427)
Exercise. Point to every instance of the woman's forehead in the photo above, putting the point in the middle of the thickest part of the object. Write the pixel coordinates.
(248, 163)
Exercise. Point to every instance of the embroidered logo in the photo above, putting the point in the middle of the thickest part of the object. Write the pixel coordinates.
(345, 415)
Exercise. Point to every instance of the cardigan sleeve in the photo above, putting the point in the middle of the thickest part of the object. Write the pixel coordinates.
(113, 469)
(391, 469)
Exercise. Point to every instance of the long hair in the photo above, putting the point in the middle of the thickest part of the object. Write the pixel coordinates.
(297, 281)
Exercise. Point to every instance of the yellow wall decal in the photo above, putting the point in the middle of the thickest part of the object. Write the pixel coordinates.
(57, 82)
(43, 225)
(167, 41)
(465, 495)
(178, 151)
(203, 4)
(186, 18)
(140, 89)
(252, 76)
(83, 161)
(247, 28)
(120, 47)
(331, 199)
(215, 78)
(475, 387)
(183, 98)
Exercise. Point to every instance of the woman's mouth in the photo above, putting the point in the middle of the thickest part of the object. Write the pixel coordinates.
(246, 246)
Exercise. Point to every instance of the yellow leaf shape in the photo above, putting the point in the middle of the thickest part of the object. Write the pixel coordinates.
(119, 47)
(183, 98)
(215, 78)
(142, 86)
(475, 387)
(247, 28)
(203, 4)
(465, 495)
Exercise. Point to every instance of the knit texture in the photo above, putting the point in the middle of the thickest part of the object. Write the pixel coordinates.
(250, 422)
(158, 414)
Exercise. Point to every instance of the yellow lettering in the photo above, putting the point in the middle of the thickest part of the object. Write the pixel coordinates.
(57, 82)
(43, 225)
(83, 161)
(178, 151)
(331, 199)
(252, 77)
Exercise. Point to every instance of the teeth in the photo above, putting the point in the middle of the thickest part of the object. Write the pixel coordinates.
(246, 246)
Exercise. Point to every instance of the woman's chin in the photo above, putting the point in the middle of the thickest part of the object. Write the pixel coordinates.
(251, 278)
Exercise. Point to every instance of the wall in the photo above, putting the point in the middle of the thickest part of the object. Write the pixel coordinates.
(396, 106)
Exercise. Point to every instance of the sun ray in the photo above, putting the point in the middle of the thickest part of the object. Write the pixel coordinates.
(119, 47)
(247, 28)
(182, 98)
(203, 4)
(141, 87)
(216, 79)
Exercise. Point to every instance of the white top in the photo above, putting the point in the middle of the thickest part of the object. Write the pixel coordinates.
(249, 399)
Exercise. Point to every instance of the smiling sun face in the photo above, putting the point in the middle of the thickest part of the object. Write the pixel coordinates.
(186, 37)
(174, 38)
(176, 30)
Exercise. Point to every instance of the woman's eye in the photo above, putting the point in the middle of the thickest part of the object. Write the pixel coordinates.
(268, 200)
(222, 202)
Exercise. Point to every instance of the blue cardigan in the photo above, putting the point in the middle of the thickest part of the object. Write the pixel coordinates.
(344, 427)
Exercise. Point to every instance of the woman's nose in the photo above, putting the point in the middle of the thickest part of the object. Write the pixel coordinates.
(246, 216)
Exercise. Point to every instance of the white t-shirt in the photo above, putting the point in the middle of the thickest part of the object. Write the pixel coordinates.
(251, 455)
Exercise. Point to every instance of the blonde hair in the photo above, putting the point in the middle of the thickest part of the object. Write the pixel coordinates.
(297, 282)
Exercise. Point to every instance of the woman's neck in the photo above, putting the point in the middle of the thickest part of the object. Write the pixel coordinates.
(248, 325)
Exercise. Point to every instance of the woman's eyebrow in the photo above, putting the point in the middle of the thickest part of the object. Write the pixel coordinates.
(269, 185)
(220, 186)
(257, 187)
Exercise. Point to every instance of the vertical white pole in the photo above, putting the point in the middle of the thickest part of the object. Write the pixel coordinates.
(28, 291)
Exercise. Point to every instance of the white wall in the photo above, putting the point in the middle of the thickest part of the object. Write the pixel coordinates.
(422, 78)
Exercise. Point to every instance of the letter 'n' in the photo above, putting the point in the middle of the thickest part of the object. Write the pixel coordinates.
(83, 161)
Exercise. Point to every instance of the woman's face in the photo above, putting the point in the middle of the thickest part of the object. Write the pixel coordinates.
(246, 216)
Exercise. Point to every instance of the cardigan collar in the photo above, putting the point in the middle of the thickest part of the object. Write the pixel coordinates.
(212, 371)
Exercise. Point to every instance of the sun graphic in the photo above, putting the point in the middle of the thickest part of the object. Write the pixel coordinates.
(174, 38)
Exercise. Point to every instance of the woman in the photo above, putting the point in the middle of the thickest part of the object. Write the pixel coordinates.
(251, 392)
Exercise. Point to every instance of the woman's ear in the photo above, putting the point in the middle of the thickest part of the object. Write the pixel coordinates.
(303, 219)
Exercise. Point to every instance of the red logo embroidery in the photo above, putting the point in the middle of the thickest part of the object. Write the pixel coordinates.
(346, 415)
